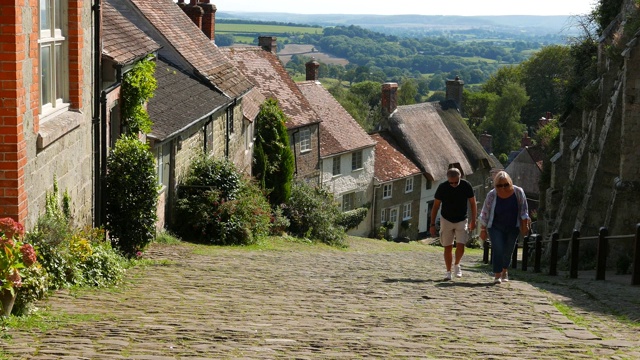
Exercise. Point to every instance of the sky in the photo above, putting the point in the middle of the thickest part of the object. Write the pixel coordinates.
(415, 7)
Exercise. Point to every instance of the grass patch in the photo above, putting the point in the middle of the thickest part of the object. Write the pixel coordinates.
(165, 237)
(568, 312)
(44, 321)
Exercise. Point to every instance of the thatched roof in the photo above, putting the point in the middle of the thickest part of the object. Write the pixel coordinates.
(435, 136)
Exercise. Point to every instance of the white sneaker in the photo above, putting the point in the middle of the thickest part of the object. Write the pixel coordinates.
(457, 270)
(497, 281)
(505, 277)
(447, 276)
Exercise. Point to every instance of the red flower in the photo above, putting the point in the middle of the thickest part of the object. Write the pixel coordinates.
(28, 255)
(10, 227)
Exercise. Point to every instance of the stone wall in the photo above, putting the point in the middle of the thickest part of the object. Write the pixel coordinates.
(398, 198)
(308, 162)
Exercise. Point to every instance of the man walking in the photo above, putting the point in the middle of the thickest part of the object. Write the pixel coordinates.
(453, 194)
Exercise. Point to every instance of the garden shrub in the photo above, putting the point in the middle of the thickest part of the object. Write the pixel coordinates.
(314, 214)
(273, 161)
(215, 205)
(131, 195)
(279, 222)
(34, 287)
(351, 219)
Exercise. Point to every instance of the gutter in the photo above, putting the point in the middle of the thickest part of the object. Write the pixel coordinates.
(98, 205)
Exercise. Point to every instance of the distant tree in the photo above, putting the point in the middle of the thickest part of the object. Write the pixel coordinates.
(273, 163)
(225, 39)
(503, 118)
(476, 105)
(436, 83)
(437, 96)
(505, 75)
(546, 75)
(408, 92)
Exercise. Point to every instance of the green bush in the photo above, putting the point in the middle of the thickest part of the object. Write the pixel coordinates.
(132, 193)
(313, 214)
(34, 287)
(279, 222)
(273, 163)
(216, 206)
(103, 267)
(351, 219)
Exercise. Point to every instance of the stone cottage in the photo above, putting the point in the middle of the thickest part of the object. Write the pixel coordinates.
(435, 137)
(261, 65)
(203, 103)
(347, 153)
(396, 190)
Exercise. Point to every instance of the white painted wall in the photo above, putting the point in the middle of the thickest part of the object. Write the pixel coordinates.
(351, 181)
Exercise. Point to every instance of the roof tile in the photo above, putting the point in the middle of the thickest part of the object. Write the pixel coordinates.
(270, 77)
(391, 163)
(339, 131)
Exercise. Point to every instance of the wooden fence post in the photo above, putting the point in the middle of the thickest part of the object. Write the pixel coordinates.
(635, 274)
(538, 254)
(553, 258)
(575, 248)
(601, 265)
(525, 252)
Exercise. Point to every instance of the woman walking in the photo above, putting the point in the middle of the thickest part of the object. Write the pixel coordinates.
(504, 214)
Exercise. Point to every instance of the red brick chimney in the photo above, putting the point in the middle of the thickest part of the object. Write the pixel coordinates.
(526, 140)
(312, 70)
(389, 98)
(208, 19)
(268, 43)
(486, 141)
(193, 11)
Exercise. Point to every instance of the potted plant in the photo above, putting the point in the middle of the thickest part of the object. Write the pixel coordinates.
(14, 255)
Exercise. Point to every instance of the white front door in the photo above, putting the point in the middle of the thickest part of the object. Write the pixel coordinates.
(393, 217)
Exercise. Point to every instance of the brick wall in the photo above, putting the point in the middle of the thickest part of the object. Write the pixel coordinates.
(15, 90)
(27, 170)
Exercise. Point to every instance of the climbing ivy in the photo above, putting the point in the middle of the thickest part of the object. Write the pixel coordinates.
(138, 87)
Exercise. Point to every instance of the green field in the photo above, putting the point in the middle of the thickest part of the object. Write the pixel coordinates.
(239, 29)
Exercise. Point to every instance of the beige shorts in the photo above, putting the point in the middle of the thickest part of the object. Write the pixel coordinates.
(453, 231)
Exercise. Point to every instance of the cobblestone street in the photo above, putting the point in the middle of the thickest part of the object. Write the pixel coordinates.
(374, 300)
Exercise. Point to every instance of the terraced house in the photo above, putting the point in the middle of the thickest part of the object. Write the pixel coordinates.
(203, 103)
(347, 152)
(47, 68)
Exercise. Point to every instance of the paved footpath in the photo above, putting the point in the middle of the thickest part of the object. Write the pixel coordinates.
(375, 300)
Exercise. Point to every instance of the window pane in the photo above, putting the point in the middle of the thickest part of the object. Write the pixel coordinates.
(57, 20)
(45, 76)
(45, 23)
(58, 78)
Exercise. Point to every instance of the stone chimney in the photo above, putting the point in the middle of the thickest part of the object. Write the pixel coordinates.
(486, 141)
(202, 14)
(389, 98)
(454, 91)
(312, 70)
(268, 43)
(526, 140)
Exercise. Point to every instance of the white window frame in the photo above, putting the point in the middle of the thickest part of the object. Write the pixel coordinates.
(356, 160)
(53, 38)
(305, 140)
(336, 166)
(406, 211)
(387, 191)
(383, 216)
(393, 215)
(408, 185)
